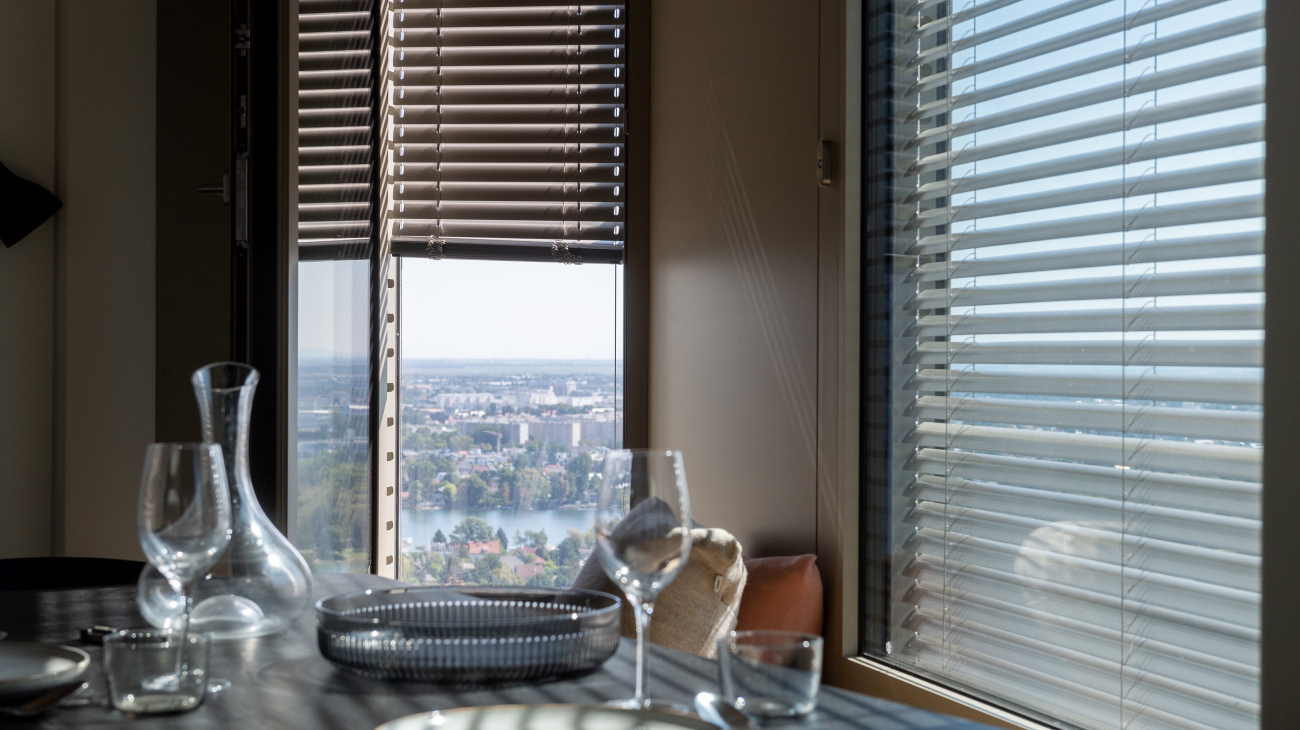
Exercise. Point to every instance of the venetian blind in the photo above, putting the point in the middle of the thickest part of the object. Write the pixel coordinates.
(1077, 353)
(335, 97)
(505, 129)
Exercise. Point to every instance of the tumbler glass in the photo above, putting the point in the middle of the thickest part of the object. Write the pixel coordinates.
(771, 673)
(135, 657)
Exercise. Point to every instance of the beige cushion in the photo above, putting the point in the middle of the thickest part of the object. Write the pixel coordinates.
(699, 606)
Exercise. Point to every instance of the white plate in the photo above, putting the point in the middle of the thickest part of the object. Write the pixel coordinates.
(546, 717)
(27, 668)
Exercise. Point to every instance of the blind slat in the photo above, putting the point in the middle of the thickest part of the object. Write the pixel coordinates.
(1208, 423)
(1139, 218)
(1108, 190)
(1145, 319)
(335, 171)
(1079, 99)
(1224, 281)
(1147, 49)
(1139, 252)
(519, 108)
(1190, 525)
(1229, 462)
(1136, 487)
(1188, 353)
(1142, 386)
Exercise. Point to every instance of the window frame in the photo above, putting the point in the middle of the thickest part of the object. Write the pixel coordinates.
(844, 306)
(385, 286)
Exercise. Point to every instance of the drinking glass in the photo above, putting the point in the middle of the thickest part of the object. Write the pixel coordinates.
(135, 658)
(183, 522)
(771, 673)
(643, 537)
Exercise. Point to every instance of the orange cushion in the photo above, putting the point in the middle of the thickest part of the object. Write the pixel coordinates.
(782, 594)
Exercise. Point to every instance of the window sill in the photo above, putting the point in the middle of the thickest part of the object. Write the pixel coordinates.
(871, 677)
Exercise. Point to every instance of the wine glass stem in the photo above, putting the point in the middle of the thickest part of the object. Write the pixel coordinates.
(187, 598)
(643, 610)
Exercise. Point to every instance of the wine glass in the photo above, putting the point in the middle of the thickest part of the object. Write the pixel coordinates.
(183, 520)
(643, 538)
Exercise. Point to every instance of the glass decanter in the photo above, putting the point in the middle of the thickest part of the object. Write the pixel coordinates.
(261, 583)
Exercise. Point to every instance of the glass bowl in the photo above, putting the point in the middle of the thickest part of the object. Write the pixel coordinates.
(469, 635)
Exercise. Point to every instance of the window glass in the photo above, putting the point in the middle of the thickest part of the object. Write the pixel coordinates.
(333, 486)
(1065, 383)
(511, 393)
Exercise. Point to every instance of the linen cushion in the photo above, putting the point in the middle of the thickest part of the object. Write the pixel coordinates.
(698, 607)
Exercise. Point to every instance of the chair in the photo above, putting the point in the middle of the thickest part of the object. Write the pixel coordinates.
(36, 574)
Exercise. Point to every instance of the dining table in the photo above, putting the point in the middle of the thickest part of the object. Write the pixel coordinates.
(282, 681)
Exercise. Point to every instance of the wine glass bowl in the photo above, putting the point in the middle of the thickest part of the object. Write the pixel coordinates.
(183, 519)
(643, 535)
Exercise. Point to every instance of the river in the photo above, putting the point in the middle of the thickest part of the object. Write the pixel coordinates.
(420, 525)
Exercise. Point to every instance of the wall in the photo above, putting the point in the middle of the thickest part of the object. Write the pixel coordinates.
(77, 297)
(27, 123)
(733, 261)
(106, 269)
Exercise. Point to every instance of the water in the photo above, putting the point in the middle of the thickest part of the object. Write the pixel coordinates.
(420, 525)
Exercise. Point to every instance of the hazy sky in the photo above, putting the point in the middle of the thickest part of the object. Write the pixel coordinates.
(470, 309)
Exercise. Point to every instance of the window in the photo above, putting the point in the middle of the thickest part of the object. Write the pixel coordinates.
(1064, 363)
(511, 395)
(503, 156)
(332, 503)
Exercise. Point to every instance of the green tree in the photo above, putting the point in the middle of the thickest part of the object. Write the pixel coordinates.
(504, 576)
(567, 552)
(565, 575)
(471, 529)
(473, 492)
(489, 561)
(436, 569)
(535, 539)
(578, 469)
(460, 442)
(439, 537)
(559, 489)
(501, 535)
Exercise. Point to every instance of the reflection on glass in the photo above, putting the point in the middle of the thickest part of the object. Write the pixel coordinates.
(334, 499)
(511, 395)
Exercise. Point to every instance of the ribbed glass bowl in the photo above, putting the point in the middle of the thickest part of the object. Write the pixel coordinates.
(468, 635)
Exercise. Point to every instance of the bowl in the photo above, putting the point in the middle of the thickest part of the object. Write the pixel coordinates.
(469, 635)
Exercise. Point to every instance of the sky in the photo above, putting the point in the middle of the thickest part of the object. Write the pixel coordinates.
(469, 309)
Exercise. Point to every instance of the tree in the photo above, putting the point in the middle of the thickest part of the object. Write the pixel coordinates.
(435, 570)
(532, 481)
(460, 442)
(439, 537)
(567, 552)
(473, 491)
(504, 576)
(535, 539)
(578, 469)
(489, 561)
(559, 489)
(501, 535)
(472, 529)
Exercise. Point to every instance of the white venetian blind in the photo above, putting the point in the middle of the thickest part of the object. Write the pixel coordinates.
(335, 95)
(505, 129)
(1077, 355)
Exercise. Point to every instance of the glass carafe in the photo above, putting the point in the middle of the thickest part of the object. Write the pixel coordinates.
(261, 583)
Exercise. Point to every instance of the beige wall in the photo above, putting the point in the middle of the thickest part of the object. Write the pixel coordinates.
(77, 297)
(733, 261)
(27, 123)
